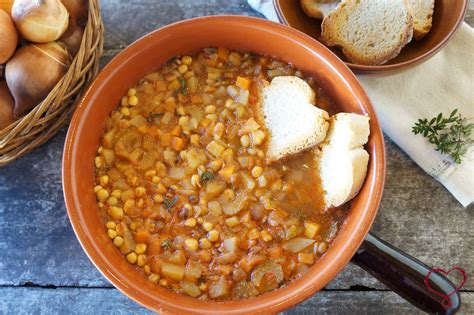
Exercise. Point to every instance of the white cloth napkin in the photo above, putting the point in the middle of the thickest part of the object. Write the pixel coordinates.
(441, 84)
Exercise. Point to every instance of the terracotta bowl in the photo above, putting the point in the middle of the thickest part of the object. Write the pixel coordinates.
(448, 17)
(148, 54)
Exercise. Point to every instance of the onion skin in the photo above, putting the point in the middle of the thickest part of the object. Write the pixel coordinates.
(33, 72)
(6, 5)
(6, 106)
(78, 10)
(8, 37)
(73, 38)
(40, 21)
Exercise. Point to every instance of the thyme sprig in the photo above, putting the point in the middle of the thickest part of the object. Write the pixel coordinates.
(169, 203)
(207, 176)
(184, 89)
(165, 244)
(151, 117)
(451, 135)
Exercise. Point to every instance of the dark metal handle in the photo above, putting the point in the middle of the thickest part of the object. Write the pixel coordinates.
(405, 275)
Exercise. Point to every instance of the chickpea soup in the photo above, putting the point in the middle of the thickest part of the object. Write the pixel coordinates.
(185, 189)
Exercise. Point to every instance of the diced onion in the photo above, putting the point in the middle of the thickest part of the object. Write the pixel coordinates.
(190, 288)
(219, 288)
(297, 244)
(177, 173)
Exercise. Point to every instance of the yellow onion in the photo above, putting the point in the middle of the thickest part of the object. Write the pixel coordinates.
(32, 73)
(7, 5)
(40, 21)
(8, 37)
(78, 10)
(72, 38)
(6, 106)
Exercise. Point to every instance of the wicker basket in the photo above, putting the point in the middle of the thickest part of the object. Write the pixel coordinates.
(45, 120)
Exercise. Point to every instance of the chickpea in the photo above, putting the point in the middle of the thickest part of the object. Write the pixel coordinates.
(257, 171)
(183, 68)
(245, 141)
(186, 60)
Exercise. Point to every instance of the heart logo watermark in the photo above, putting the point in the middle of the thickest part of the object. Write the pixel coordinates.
(446, 303)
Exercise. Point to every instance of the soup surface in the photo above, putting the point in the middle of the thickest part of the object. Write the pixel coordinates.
(186, 192)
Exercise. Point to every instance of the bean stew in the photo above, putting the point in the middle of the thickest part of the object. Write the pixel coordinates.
(186, 192)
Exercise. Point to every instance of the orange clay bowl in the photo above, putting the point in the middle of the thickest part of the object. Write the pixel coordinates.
(148, 54)
(447, 18)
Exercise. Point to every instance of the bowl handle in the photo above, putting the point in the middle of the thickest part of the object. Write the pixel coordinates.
(405, 275)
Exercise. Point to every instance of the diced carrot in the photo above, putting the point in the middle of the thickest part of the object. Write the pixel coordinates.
(154, 246)
(224, 269)
(170, 104)
(177, 143)
(153, 130)
(160, 86)
(204, 256)
(182, 98)
(243, 83)
(156, 265)
(210, 62)
(177, 131)
(196, 99)
(147, 212)
(142, 236)
(244, 264)
(222, 54)
(174, 85)
(274, 252)
(166, 139)
(143, 129)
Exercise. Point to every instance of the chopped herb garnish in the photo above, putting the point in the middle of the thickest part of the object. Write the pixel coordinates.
(451, 135)
(152, 116)
(207, 176)
(184, 89)
(169, 203)
(165, 244)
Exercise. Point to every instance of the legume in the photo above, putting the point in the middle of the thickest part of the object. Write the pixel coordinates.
(186, 192)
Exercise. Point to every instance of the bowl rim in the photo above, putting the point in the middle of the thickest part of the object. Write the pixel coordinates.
(276, 300)
(396, 66)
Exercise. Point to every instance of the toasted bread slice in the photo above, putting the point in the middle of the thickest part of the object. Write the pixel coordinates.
(293, 122)
(342, 160)
(370, 32)
(318, 9)
(422, 11)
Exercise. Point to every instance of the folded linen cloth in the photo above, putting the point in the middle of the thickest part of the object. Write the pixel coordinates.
(441, 84)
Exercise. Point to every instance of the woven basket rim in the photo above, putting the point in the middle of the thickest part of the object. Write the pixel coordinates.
(47, 118)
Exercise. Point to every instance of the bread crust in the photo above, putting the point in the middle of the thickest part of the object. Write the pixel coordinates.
(422, 17)
(318, 9)
(294, 124)
(341, 159)
(336, 20)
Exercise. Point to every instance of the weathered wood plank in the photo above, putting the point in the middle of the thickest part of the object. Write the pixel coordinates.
(35, 224)
(110, 301)
(145, 16)
(417, 214)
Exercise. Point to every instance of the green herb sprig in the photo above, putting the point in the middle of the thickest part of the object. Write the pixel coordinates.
(165, 244)
(151, 117)
(169, 203)
(207, 176)
(184, 89)
(451, 135)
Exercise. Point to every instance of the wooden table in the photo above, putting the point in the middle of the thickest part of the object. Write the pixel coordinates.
(44, 270)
